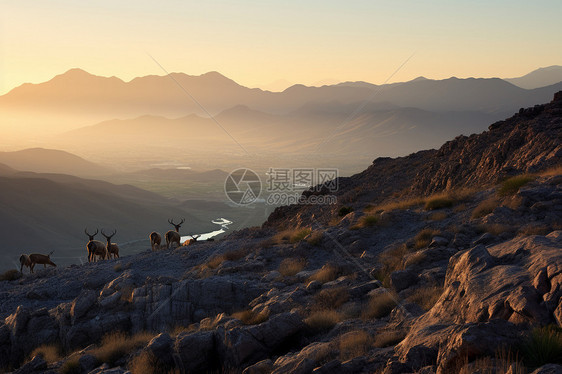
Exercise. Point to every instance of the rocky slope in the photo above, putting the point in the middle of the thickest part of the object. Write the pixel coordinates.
(402, 284)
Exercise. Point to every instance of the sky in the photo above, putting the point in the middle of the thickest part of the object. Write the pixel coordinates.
(258, 43)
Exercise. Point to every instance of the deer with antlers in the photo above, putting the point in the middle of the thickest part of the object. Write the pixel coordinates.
(174, 236)
(155, 240)
(112, 248)
(95, 247)
(193, 240)
(35, 258)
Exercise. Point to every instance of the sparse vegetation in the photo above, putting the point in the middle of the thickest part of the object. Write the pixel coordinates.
(426, 296)
(534, 230)
(291, 266)
(147, 363)
(388, 338)
(331, 298)
(366, 221)
(326, 274)
(439, 202)
(543, 346)
(10, 275)
(512, 185)
(556, 170)
(233, 255)
(344, 211)
(249, 317)
(354, 344)
(315, 238)
(423, 238)
(415, 258)
(390, 261)
(117, 267)
(299, 235)
(323, 320)
(397, 205)
(379, 306)
(71, 366)
(117, 345)
(49, 352)
(485, 207)
(494, 228)
(438, 216)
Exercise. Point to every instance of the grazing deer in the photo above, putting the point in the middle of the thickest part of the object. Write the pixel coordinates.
(35, 258)
(155, 240)
(193, 240)
(112, 248)
(95, 247)
(174, 236)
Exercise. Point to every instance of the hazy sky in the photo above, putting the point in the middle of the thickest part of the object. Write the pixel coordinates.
(259, 42)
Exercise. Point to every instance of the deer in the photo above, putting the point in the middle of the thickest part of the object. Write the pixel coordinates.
(193, 240)
(35, 258)
(155, 240)
(95, 247)
(174, 236)
(112, 248)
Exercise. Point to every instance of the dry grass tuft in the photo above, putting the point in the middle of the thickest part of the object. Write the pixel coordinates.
(438, 216)
(323, 320)
(326, 274)
(529, 230)
(423, 238)
(10, 275)
(485, 207)
(291, 266)
(117, 345)
(399, 205)
(354, 344)
(512, 185)
(439, 201)
(49, 352)
(388, 338)
(147, 363)
(71, 366)
(556, 170)
(390, 261)
(415, 258)
(426, 296)
(379, 306)
(494, 228)
(315, 238)
(234, 255)
(366, 221)
(331, 298)
(249, 317)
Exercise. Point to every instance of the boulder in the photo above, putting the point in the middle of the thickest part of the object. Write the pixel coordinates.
(196, 351)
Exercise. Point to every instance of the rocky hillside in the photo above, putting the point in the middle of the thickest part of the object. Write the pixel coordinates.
(529, 141)
(393, 280)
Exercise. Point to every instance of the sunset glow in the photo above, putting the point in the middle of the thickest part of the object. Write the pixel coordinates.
(259, 43)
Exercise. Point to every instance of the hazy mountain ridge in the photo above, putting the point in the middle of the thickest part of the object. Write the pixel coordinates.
(43, 160)
(539, 78)
(85, 97)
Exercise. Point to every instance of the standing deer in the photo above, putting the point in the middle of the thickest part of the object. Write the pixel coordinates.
(95, 247)
(193, 240)
(35, 258)
(112, 248)
(155, 240)
(174, 236)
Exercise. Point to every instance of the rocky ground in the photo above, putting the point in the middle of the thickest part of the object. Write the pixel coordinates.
(467, 280)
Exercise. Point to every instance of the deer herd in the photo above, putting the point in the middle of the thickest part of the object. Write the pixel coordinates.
(98, 250)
